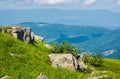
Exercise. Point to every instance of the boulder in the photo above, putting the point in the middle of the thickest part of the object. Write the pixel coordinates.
(62, 60)
(38, 38)
(67, 61)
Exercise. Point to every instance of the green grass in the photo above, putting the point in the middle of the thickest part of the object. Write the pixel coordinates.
(112, 66)
(34, 59)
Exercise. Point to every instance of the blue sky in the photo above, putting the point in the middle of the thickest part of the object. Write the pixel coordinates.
(112, 5)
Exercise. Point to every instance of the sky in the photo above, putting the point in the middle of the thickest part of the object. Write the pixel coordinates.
(112, 5)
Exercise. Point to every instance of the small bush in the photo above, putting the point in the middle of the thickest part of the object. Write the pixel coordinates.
(96, 60)
(65, 47)
(86, 57)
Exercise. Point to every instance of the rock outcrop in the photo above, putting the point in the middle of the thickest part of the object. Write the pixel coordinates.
(23, 34)
(65, 61)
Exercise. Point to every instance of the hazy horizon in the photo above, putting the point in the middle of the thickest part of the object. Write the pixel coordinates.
(69, 12)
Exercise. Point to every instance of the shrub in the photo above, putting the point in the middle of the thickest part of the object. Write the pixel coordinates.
(56, 48)
(96, 60)
(86, 57)
(65, 47)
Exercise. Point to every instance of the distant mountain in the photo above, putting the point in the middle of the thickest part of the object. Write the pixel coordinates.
(70, 17)
(88, 38)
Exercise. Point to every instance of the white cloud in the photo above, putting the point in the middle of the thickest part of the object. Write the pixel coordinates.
(41, 2)
(118, 2)
(89, 2)
(53, 2)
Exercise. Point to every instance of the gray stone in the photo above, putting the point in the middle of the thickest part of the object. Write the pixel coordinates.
(39, 38)
(41, 76)
(95, 72)
(23, 34)
(15, 55)
(75, 62)
(82, 66)
(62, 60)
(67, 61)
(5, 77)
(32, 36)
(26, 35)
(48, 46)
(100, 77)
(2, 30)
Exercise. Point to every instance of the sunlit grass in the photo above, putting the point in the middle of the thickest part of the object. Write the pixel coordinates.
(34, 59)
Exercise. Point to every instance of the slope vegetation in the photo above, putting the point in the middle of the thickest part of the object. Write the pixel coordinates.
(19, 60)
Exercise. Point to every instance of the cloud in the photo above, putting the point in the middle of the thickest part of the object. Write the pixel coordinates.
(53, 2)
(118, 2)
(89, 2)
(113, 5)
(41, 2)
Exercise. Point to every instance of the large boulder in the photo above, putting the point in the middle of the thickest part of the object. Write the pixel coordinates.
(62, 60)
(23, 34)
(66, 61)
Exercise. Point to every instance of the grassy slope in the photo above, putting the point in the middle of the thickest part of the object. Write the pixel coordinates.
(112, 66)
(34, 60)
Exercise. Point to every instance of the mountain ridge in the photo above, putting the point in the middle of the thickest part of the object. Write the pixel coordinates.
(68, 17)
